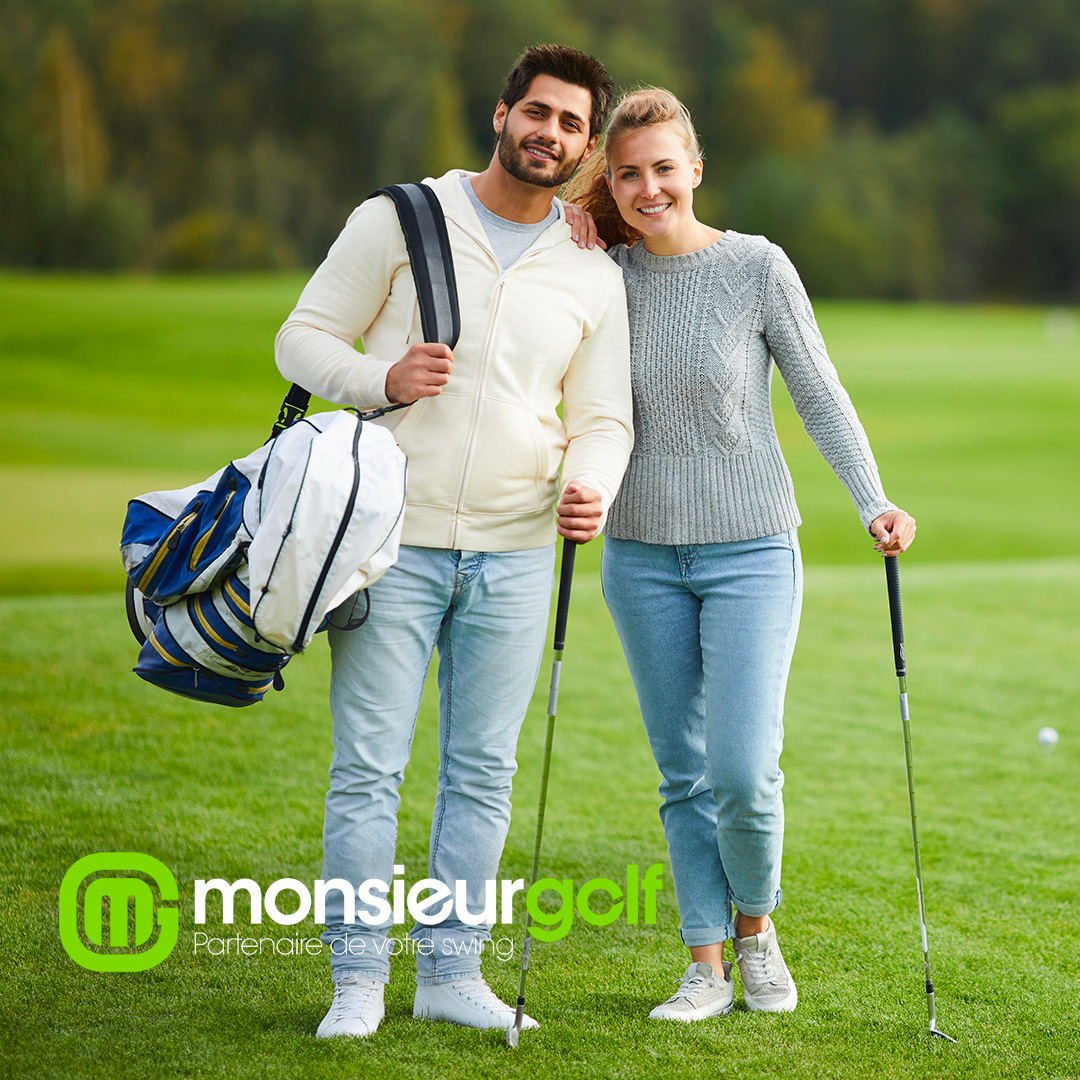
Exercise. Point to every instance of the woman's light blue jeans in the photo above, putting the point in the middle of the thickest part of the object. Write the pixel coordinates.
(708, 631)
(487, 614)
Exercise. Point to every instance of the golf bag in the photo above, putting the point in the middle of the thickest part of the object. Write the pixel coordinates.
(230, 578)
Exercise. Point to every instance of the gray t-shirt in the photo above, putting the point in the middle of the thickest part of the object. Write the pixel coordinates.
(509, 239)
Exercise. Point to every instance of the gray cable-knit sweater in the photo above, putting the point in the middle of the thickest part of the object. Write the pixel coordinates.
(704, 331)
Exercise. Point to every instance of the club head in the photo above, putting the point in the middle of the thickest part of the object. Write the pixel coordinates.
(513, 1033)
(941, 1034)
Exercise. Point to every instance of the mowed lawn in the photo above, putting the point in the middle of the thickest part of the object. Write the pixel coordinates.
(120, 386)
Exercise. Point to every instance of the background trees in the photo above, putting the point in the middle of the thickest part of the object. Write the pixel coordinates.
(896, 148)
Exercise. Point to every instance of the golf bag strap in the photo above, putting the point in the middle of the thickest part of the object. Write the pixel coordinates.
(424, 226)
(292, 409)
(428, 244)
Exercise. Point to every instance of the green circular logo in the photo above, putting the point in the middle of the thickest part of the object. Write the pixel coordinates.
(106, 903)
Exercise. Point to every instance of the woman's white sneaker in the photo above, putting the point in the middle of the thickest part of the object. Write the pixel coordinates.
(357, 1008)
(469, 1002)
(701, 993)
(767, 983)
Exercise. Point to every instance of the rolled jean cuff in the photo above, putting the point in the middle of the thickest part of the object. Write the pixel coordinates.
(757, 910)
(444, 976)
(358, 953)
(339, 973)
(455, 954)
(693, 936)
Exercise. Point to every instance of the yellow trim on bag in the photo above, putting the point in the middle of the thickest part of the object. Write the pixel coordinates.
(231, 590)
(163, 550)
(163, 654)
(200, 545)
(257, 689)
(208, 628)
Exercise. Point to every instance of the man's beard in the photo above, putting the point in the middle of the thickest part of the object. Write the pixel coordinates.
(512, 159)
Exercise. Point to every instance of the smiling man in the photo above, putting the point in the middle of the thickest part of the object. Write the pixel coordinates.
(543, 322)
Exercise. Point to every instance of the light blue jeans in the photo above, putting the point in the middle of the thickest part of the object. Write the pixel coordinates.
(487, 615)
(708, 631)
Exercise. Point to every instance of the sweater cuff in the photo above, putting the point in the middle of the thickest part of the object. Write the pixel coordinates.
(866, 492)
(367, 383)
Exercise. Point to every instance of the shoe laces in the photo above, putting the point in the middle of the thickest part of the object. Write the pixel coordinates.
(353, 995)
(687, 986)
(477, 992)
(762, 970)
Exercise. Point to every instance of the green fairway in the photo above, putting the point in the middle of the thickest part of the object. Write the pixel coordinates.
(121, 386)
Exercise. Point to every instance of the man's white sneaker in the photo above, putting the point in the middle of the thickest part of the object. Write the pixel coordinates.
(767, 983)
(469, 1002)
(356, 1010)
(701, 993)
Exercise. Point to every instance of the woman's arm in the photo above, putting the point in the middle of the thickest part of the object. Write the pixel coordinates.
(823, 405)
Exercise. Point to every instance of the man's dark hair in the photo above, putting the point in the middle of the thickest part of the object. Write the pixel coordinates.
(571, 66)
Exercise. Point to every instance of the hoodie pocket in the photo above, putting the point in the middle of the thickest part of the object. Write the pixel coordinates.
(433, 435)
(510, 470)
(487, 456)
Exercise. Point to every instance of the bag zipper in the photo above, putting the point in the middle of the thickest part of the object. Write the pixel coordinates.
(169, 542)
(200, 544)
(343, 527)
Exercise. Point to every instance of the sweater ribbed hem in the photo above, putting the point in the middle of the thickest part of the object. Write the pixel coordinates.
(694, 499)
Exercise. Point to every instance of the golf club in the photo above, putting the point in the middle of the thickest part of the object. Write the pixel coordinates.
(892, 576)
(566, 575)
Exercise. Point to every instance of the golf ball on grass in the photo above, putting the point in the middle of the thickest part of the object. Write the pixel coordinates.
(1047, 736)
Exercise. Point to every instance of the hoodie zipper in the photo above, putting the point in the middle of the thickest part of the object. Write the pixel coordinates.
(495, 303)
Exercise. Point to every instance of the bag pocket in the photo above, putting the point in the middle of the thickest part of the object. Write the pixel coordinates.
(198, 543)
(206, 648)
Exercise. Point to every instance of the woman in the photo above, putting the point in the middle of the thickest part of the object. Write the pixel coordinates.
(701, 565)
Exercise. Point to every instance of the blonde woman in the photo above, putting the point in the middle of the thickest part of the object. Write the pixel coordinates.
(701, 565)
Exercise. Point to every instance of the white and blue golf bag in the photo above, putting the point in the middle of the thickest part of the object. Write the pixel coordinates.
(230, 578)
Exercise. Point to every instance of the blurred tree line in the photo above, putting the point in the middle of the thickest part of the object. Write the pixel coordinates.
(895, 148)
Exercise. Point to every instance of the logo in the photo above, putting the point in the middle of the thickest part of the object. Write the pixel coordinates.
(378, 903)
(123, 904)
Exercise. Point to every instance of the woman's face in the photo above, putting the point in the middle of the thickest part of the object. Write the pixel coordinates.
(652, 180)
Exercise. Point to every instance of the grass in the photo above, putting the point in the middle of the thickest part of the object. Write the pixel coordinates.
(114, 391)
(96, 761)
(119, 386)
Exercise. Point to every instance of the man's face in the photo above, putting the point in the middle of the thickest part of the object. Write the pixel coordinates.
(545, 136)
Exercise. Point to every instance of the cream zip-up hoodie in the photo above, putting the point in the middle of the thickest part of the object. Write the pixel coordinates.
(484, 455)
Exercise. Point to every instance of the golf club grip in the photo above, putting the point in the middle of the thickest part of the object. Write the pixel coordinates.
(566, 575)
(892, 576)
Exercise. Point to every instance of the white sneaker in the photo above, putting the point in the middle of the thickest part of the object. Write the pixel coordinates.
(356, 1010)
(701, 993)
(767, 983)
(469, 1002)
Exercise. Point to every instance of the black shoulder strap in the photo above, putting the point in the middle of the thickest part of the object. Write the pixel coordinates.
(422, 222)
(421, 216)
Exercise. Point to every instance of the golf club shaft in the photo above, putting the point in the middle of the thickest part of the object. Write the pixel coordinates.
(892, 576)
(562, 609)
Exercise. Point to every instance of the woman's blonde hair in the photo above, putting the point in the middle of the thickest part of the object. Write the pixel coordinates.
(636, 109)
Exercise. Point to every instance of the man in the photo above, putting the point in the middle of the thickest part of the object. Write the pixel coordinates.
(542, 321)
